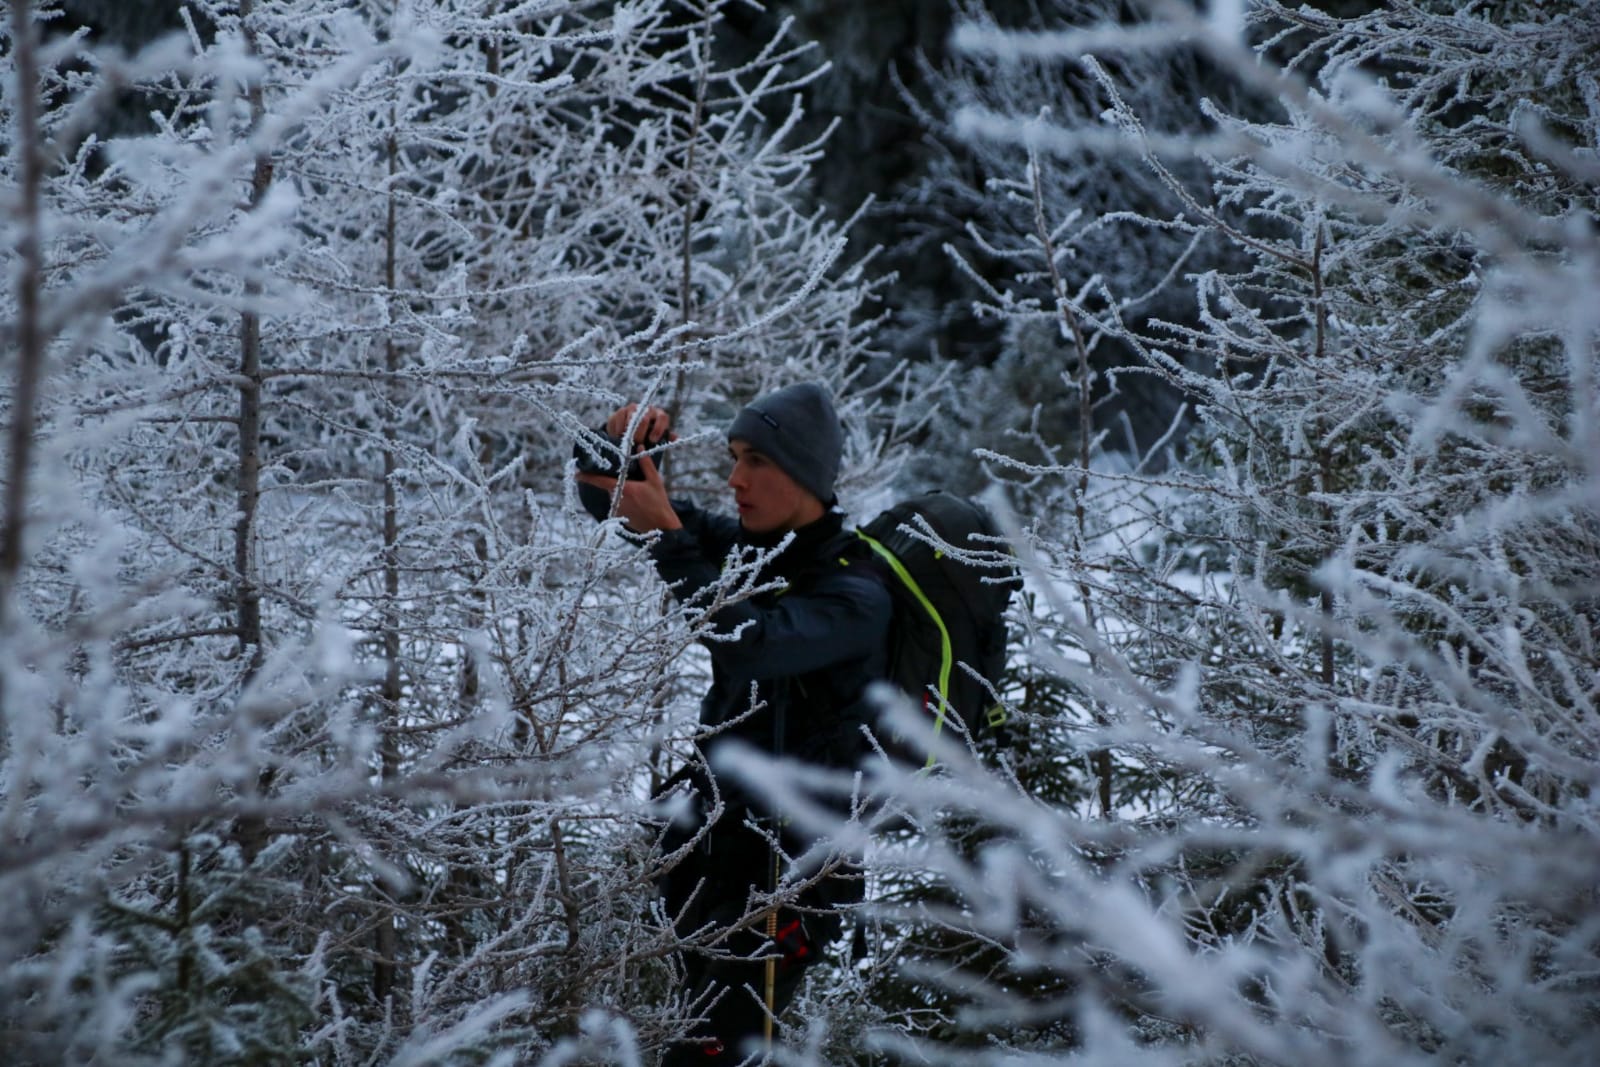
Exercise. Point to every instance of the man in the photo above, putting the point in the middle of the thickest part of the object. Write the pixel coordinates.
(810, 650)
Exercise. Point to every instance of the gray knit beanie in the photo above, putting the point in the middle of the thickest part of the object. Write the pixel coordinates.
(797, 428)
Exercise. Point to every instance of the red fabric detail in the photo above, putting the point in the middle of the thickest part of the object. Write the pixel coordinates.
(793, 944)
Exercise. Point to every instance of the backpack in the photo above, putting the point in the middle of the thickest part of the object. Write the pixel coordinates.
(945, 613)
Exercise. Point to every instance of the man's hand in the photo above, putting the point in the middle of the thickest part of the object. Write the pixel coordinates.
(654, 425)
(644, 505)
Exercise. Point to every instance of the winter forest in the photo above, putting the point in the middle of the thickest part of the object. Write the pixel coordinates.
(1269, 332)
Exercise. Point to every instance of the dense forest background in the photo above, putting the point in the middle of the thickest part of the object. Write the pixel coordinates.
(329, 722)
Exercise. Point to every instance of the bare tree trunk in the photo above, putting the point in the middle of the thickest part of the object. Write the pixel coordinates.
(691, 201)
(30, 342)
(383, 971)
(1325, 485)
(251, 830)
(247, 592)
(1100, 758)
(1324, 459)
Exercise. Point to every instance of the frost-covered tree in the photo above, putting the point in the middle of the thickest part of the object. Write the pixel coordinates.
(328, 724)
(1105, 221)
(137, 685)
(1353, 642)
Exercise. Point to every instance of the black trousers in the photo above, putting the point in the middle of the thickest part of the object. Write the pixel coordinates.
(713, 888)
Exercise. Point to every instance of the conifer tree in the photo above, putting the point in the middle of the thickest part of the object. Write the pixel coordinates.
(1353, 649)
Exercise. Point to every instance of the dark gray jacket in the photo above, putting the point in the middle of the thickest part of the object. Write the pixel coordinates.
(811, 649)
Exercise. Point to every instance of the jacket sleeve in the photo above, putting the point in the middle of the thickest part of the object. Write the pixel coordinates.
(714, 534)
(710, 535)
(840, 618)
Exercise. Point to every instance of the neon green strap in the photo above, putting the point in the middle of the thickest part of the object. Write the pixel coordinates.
(947, 655)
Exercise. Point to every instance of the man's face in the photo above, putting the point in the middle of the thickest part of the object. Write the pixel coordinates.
(769, 501)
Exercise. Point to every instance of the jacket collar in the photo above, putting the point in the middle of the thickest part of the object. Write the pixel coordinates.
(807, 546)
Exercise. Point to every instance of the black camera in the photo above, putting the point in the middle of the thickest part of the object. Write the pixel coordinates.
(605, 460)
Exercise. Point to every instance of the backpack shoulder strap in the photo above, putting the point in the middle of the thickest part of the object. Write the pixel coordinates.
(910, 585)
